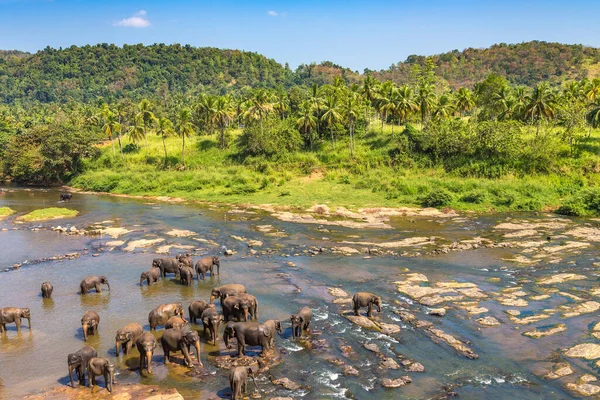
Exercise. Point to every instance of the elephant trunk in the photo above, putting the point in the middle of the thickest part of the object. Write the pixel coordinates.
(29, 322)
(212, 298)
(85, 332)
(294, 326)
(245, 315)
(108, 285)
(110, 381)
(71, 375)
(141, 280)
(378, 307)
(226, 340)
(149, 360)
(118, 348)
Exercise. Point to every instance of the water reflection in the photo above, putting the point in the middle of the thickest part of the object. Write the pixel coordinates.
(48, 304)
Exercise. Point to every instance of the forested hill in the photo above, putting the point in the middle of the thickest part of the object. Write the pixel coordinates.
(112, 72)
(522, 64)
(83, 74)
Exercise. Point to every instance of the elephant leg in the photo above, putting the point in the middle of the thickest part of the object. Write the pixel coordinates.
(18, 323)
(356, 311)
(307, 326)
(128, 347)
(97, 288)
(166, 356)
(370, 311)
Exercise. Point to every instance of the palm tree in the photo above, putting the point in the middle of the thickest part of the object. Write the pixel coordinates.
(541, 104)
(136, 131)
(331, 115)
(425, 99)
(351, 109)
(593, 116)
(406, 104)
(383, 99)
(444, 107)
(121, 112)
(206, 110)
(164, 129)
(222, 116)
(184, 128)
(148, 118)
(111, 127)
(259, 106)
(465, 101)
(281, 104)
(307, 121)
(592, 92)
(316, 100)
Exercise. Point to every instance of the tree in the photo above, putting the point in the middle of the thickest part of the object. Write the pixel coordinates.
(425, 100)
(281, 104)
(593, 116)
(351, 109)
(331, 115)
(222, 116)
(136, 131)
(147, 117)
(541, 104)
(316, 100)
(444, 107)
(184, 128)
(465, 101)
(259, 106)
(110, 128)
(164, 129)
(406, 103)
(307, 122)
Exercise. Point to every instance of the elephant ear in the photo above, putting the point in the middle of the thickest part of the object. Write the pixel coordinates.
(266, 332)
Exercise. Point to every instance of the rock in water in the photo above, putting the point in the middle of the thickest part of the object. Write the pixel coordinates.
(396, 383)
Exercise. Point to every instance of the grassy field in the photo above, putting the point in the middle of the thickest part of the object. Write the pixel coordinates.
(331, 176)
(48, 213)
(6, 211)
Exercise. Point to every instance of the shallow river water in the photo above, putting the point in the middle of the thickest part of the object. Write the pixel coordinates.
(287, 273)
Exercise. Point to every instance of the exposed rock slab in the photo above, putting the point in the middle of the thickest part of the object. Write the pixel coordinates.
(560, 278)
(537, 334)
(589, 351)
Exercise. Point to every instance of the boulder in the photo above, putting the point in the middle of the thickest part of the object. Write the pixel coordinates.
(396, 383)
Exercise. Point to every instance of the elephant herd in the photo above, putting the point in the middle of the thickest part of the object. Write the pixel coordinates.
(239, 312)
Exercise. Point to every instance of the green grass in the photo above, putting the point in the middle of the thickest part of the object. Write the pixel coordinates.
(5, 212)
(48, 213)
(333, 177)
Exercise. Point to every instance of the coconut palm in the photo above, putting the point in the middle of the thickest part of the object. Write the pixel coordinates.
(164, 129)
(111, 126)
(593, 116)
(464, 101)
(184, 128)
(592, 93)
(136, 131)
(351, 109)
(405, 103)
(223, 115)
(148, 118)
(281, 104)
(383, 99)
(444, 107)
(307, 121)
(316, 100)
(121, 111)
(259, 106)
(425, 100)
(541, 104)
(331, 115)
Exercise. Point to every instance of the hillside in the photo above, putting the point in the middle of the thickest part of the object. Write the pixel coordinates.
(522, 64)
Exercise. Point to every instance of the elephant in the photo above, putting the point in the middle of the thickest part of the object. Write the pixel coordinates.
(239, 306)
(93, 282)
(146, 344)
(301, 321)
(273, 325)
(208, 264)
(151, 276)
(78, 362)
(47, 289)
(66, 196)
(90, 322)
(366, 299)
(196, 308)
(186, 274)
(9, 315)
(166, 266)
(161, 314)
(247, 333)
(100, 366)
(211, 319)
(175, 322)
(186, 260)
(180, 340)
(238, 381)
(226, 290)
(127, 337)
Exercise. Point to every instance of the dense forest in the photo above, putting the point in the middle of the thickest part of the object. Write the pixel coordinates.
(84, 74)
(240, 131)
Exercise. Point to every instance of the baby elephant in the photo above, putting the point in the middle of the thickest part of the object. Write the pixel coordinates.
(78, 362)
(175, 322)
(273, 325)
(146, 344)
(366, 299)
(301, 321)
(100, 366)
(127, 337)
(89, 323)
(207, 264)
(211, 320)
(93, 282)
(14, 314)
(47, 289)
(151, 276)
(238, 381)
(196, 309)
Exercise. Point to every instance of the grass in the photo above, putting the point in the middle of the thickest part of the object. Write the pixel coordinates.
(332, 176)
(48, 213)
(5, 212)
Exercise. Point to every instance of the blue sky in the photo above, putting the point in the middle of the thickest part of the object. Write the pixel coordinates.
(358, 34)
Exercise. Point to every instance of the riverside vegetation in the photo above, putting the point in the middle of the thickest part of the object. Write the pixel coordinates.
(355, 141)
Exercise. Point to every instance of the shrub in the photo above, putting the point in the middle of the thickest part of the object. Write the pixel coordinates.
(437, 198)
(474, 197)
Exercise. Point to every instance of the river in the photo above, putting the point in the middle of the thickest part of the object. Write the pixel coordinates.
(286, 273)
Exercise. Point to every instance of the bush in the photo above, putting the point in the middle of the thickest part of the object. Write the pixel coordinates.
(269, 138)
(437, 198)
(474, 197)
(585, 203)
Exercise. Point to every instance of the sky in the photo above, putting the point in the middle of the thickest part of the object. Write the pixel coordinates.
(370, 34)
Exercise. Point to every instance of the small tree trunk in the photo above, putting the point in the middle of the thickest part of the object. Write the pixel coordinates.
(183, 149)
(352, 139)
(120, 146)
(112, 142)
(146, 140)
(165, 147)
(223, 137)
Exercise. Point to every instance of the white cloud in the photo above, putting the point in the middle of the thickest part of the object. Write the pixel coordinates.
(137, 20)
(272, 13)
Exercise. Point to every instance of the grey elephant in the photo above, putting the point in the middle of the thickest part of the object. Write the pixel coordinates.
(301, 321)
(238, 381)
(151, 276)
(47, 290)
(224, 291)
(247, 333)
(161, 314)
(175, 322)
(127, 337)
(274, 325)
(366, 299)
(99, 366)
(186, 260)
(166, 266)
(8, 315)
(211, 320)
(208, 264)
(186, 274)
(240, 306)
(196, 308)
(89, 324)
(78, 362)
(180, 340)
(93, 282)
(146, 344)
